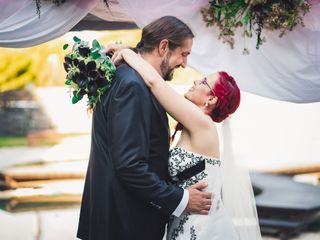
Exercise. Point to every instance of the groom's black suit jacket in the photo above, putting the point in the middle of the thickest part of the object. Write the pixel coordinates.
(127, 195)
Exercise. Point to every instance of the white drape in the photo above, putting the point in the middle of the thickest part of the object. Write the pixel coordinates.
(10, 7)
(114, 12)
(311, 20)
(285, 68)
(21, 27)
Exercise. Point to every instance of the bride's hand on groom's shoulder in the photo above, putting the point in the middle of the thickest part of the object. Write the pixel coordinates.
(118, 56)
(112, 47)
(199, 201)
(115, 49)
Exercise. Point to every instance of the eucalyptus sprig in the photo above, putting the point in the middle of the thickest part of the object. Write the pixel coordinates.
(89, 71)
(253, 16)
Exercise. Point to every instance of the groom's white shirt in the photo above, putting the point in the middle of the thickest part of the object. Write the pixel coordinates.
(182, 205)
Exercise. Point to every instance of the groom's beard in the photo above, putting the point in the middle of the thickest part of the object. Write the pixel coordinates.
(166, 70)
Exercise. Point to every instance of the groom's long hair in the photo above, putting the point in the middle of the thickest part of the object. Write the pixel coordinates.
(167, 27)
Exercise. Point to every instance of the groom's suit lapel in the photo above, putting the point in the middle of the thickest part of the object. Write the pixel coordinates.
(161, 111)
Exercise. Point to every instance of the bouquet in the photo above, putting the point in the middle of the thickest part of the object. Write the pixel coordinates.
(89, 71)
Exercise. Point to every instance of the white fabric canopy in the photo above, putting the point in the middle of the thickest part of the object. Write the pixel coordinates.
(21, 26)
(286, 69)
(9, 9)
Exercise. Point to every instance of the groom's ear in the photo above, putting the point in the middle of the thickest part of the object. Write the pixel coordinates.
(163, 47)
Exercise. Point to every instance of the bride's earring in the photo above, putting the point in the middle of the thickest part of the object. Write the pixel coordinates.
(206, 104)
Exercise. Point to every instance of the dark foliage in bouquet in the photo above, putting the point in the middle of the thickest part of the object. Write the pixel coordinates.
(56, 2)
(253, 16)
(89, 71)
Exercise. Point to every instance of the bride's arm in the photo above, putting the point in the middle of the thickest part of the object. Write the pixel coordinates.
(176, 105)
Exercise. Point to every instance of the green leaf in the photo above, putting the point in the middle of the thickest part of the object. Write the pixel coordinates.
(245, 20)
(92, 98)
(68, 82)
(94, 50)
(96, 44)
(95, 55)
(219, 14)
(79, 97)
(76, 97)
(74, 100)
(76, 39)
(65, 46)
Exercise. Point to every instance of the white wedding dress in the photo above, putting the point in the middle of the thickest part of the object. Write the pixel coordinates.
(215, 226)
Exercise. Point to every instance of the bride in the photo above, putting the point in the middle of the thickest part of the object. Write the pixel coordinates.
(196, 157)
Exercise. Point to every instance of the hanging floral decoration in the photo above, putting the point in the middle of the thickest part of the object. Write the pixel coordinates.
(253, 16)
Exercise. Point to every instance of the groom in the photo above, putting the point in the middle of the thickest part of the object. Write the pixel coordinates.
(127, 193)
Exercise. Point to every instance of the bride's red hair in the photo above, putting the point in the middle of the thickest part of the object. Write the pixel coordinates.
(228, 94)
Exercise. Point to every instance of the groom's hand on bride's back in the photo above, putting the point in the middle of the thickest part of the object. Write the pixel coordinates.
(199, 201)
